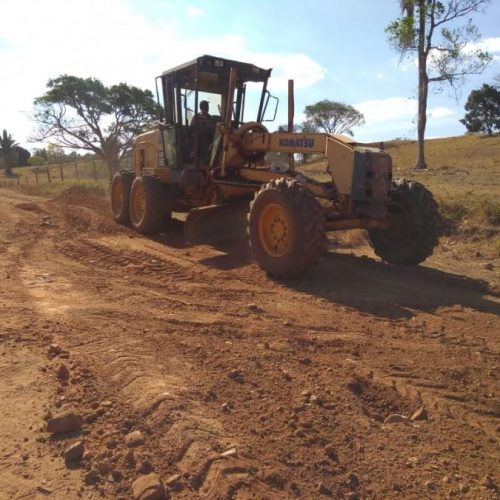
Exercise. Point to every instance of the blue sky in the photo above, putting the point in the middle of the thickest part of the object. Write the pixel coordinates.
(333, 49)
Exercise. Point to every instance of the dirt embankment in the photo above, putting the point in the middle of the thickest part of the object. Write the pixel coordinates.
(191, 364)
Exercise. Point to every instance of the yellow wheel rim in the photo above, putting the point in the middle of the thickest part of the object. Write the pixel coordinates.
(275, 230)
(139, 203)
(117, 198)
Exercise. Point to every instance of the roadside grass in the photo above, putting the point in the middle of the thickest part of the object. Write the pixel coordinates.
(53, 189)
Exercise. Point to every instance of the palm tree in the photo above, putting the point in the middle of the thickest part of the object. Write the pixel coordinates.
(7, 151)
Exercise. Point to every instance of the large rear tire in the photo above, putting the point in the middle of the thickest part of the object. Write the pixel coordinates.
(150, 205)
(120, 196)
(414, 230)
(286, 228)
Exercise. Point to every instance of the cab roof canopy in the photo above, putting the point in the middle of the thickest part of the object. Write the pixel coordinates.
(213, 73)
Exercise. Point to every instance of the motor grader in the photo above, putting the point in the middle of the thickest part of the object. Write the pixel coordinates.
(215, 168)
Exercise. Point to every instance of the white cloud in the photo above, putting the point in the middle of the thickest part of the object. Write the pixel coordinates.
(387, 110)
(299, 67)
(195, 11)
(111, 41)
(380, 76)
(440, 112)
(491, 45)
(396, 110)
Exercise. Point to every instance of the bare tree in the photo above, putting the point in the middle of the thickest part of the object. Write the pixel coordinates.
(445, 50)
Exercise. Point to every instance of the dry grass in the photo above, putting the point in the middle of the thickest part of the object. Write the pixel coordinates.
(53, 189)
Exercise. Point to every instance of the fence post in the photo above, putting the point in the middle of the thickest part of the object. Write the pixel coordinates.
(36, 176)
(61, 172)
(76, 171)
(95, 170)
(48, 174)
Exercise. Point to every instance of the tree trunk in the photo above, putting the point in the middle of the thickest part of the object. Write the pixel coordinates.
(113, 164)
(111, 155)
(8, 166)
(423, 88)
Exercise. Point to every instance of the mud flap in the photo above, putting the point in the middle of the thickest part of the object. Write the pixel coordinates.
(216, 223)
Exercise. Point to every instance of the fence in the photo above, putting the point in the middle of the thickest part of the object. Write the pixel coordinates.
(90, 169)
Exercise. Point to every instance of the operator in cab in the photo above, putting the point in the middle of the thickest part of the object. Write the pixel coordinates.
(205, 124)
(203, 114)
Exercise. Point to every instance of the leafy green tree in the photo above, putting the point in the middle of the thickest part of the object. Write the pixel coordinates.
(37, 160)
(483, 110)
(84, 114)
(22, 156)
(41, 152)
(444, 50)
(332, 117)
(7, 152)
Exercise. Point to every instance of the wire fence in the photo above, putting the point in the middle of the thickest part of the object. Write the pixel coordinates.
(66, 172)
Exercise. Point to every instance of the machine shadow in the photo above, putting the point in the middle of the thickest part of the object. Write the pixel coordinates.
(367, 285)
(235, 251)
(391, 291)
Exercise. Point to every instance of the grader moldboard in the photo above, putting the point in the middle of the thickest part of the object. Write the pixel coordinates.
(214, 168)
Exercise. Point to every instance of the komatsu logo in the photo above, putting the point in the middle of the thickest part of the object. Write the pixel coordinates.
(296, 143)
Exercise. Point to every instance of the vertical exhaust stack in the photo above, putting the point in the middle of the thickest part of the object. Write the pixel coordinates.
(291, 111)
(227, 120)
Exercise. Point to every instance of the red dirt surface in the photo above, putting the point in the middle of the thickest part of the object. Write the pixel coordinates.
(200, 351)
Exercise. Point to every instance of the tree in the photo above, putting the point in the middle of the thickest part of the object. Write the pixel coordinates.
(445, 51)
(84, 114)
(22, 156)
(55, 154)
(483, 110)
(7, 152)
(332, 117)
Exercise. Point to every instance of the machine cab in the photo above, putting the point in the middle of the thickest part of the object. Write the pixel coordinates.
(188, 134)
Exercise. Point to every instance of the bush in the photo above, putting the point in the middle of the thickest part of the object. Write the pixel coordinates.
(491, 211)
(452, 214)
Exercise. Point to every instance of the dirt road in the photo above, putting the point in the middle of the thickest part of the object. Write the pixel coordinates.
(239, 386)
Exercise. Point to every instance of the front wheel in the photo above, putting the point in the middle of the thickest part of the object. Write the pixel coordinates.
(286, 228)
(413, 232)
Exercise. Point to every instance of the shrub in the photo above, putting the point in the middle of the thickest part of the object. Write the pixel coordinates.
(491, 211)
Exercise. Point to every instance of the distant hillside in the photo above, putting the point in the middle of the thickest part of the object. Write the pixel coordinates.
(466, 151)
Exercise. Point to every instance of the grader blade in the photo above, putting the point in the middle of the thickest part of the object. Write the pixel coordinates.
(216, 223)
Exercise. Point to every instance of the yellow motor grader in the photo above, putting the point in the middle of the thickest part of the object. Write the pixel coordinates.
(213, 167)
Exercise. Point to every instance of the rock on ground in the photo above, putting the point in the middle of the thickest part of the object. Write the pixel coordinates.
(74, 452)
(148, 487)
(65, 422)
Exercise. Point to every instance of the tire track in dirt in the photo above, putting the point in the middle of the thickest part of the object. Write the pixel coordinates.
(204, 359)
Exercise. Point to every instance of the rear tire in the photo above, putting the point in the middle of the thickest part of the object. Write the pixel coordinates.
(120, 196)
(414, 230)
(286, 228)
(150, 205)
